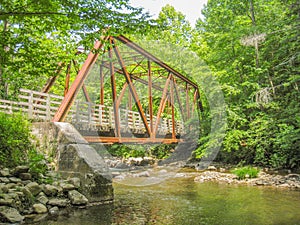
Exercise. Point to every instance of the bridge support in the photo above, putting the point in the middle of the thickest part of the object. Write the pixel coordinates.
(76, 158)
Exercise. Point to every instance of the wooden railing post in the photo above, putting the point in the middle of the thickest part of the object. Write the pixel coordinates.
(48, 109)
(89, 112)
(77, 112)
(30, 105)
(100, 114)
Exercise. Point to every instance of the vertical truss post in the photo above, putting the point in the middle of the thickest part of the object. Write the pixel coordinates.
(178, 99)
(67, 81)
(114, 92)
(132, 88)
(187, 101)
(162, 104)
(101, 85)
(129, 100)
(150, 98)
(122, 93)
(86, 94)
(194, 103)
(173, 111)
(68, 100)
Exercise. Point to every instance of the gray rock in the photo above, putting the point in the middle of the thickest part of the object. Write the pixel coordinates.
(142, 174)
(54, 211)
(20, 169)
(58, 202)
(77, 198)
(10, 214)
(42, 199)
(28, 195)
(34, 188)
(222, 170)
(259, 182)
(50, 190)
(75, 181)
(25, 182)
(120, 177)
(294, 176)
(6, 202)
(5, 172)
(39, 208)
(25, 176)
(4, 188)
(211, 168)
(15, 180)
(67, 187)
(4, 180)
(11, 185)
(284, 185)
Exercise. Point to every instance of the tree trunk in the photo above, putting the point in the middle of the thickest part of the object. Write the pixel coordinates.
(254, 24)
(4, 48)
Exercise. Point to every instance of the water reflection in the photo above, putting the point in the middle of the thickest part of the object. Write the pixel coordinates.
(181, 201)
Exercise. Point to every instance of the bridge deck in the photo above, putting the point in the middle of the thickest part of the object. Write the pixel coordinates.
(95, 121)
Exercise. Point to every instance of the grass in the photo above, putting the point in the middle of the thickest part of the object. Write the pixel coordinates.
(246, 172)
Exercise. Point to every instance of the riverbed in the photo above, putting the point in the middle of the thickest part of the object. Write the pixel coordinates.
(180, 200)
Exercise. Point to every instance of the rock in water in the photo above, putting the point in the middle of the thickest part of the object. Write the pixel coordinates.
(212, 168)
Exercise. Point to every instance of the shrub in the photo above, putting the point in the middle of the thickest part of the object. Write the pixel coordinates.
(16, 147)
(14, 140)
(246, 172)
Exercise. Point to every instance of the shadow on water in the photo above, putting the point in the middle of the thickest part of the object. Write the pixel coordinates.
(182, 201)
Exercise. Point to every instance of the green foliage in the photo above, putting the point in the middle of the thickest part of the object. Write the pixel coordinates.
(37, 36)
(16, 146)
(14, 140)
(37, 164)
(159, 151)
(260, 82)
(127, 151)
(162, 151)
(246, 172)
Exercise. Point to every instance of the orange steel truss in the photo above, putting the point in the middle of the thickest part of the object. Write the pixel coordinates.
(134, 75)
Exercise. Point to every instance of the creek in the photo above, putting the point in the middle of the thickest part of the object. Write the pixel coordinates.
(181, 201)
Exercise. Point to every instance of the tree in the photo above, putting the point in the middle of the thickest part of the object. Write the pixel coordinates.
(253, 47)
(37, 35)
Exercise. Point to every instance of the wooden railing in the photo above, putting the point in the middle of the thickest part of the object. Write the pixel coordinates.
(42, 107)
(95, 115)
(36, 105)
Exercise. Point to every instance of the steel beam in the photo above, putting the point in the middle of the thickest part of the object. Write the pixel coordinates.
(132, 88)
(173, 111)
(154, 59)
(101, 85)
(161, 105)
(114, 92)
(68, 100)
(96, 139)
(150, 98)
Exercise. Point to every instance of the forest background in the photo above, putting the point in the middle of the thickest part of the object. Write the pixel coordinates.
(252, 48)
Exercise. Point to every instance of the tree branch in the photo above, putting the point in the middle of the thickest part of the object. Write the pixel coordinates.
(30, 13)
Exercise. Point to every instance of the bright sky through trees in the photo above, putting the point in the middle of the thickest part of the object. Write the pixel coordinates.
(190, 8)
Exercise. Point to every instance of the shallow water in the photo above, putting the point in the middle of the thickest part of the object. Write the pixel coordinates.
(182, 201)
